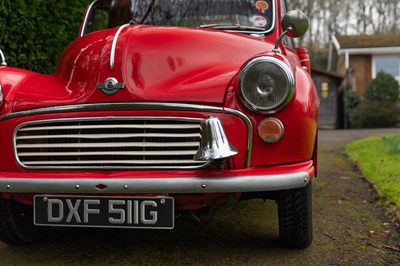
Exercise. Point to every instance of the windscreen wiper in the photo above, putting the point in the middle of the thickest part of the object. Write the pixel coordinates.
(232, 27)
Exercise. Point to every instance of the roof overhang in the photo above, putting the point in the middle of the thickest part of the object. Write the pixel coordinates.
(364, 50)
(370, 50)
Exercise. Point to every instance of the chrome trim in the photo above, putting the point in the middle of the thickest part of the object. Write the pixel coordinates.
(286, 70)
(113, 107)
(89, 10)
(31, 165)
(279, 40)
(1, 94)
(114, 45)
(249, 124)
(199, 184)
(110, 86)
(3, 59)
(140, 106)
(214, 143)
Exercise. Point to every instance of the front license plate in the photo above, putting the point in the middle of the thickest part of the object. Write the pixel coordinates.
(123, 212)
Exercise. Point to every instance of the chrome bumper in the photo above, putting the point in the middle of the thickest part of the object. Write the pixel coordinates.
(249, 183)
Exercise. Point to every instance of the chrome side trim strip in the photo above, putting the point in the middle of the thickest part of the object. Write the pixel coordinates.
(1, 94)
(203, 184)
(86, 18)
(114, 45)
(140, 106)
(3, 59)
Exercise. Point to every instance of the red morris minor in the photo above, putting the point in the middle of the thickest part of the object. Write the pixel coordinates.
(161, 107)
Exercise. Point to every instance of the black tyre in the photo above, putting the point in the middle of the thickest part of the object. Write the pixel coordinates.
(16, 223)
(295, 217)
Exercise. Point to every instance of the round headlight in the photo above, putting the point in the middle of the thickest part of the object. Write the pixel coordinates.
(266, 84)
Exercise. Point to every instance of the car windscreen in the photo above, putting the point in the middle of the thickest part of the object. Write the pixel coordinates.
(240, 15)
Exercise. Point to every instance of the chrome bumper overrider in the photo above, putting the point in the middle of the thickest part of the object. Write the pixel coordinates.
(249, 183)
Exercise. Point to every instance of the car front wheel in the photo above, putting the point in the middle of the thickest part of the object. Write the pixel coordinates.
(16, 223)
(295, 217)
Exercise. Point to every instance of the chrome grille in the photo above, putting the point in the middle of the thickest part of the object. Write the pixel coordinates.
(109, 143)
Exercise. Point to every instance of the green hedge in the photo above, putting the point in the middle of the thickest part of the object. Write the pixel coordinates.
(375, 114)
(33, 33)
(380, 107)
(383, 88)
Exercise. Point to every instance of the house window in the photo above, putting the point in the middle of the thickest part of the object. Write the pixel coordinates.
(389, 64)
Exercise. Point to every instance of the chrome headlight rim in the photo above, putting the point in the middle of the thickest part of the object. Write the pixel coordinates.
(290, 90)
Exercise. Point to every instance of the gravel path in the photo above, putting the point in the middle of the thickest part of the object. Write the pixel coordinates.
(349, 229)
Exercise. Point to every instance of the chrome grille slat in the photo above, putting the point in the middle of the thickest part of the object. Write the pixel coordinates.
(113, 126)
(109, 143)
(107, 136)
(112, 144)
(107, 153)
(114, 162)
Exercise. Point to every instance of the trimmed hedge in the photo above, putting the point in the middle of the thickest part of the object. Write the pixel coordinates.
(33, 33)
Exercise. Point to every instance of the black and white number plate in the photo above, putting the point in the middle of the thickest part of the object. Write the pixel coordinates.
(123, 212)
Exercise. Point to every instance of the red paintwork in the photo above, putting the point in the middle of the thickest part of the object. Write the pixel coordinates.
(167, 64)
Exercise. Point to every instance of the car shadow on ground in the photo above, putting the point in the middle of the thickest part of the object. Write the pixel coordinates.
(231, 233)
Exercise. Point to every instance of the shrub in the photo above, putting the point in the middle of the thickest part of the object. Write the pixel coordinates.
(375, 114)
(351, 99)
(383, 88)
(33, 33)
(380, 107)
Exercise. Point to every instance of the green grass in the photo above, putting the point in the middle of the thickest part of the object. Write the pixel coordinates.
(379, 160)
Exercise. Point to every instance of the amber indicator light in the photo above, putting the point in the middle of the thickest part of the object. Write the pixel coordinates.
(271, 130)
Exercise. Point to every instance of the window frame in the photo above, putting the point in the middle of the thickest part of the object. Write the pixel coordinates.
(90, 11)
(373, 63)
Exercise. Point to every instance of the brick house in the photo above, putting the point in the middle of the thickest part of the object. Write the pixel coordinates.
(361, 57)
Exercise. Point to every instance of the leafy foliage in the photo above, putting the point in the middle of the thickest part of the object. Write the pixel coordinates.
(34, 32)
(383, 88)
(351, 99)
(375, 114)
(380, 107)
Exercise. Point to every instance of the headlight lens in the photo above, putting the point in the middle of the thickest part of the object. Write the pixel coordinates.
(266, 84)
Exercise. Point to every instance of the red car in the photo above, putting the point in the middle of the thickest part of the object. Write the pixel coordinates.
(161, 107)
